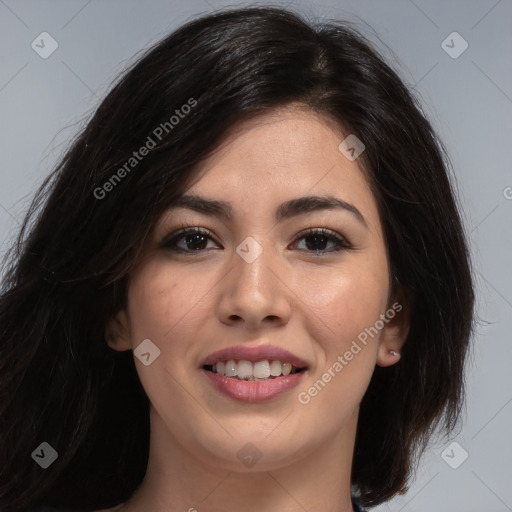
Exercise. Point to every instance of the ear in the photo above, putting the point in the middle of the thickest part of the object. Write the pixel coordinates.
(394, 334)
(117, 332)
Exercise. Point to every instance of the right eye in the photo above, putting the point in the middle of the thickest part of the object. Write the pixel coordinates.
(192, 240)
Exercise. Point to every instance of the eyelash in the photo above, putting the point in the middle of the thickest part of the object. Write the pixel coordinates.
(169, 242)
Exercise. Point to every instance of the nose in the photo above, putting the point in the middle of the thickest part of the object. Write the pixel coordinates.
(255, 294)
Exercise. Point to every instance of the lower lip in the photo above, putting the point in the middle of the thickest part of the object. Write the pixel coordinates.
(250, 391)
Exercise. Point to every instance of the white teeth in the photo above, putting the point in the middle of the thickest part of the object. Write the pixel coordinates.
(219, 367)
(230, 368)
(275, 368)
(245, 370)
(261, 370)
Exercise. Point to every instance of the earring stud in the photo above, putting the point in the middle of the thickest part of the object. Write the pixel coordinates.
(393, 352)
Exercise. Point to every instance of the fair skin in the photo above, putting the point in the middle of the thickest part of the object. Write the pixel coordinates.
(192, 304)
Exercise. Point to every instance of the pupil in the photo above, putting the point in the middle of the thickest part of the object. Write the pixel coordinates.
(194, 240)
(315, 244)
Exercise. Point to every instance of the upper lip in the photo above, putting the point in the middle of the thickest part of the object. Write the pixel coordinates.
(254, 354)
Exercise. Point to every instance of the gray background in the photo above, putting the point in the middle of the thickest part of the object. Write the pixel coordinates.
(469, 100)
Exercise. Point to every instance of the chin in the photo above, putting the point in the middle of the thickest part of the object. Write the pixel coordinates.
(250, 450)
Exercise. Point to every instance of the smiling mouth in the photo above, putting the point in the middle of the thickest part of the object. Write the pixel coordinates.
(259, 371)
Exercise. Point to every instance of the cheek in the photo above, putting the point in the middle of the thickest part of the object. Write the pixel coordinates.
(344, 313)
(165, 304)
(167, 307)
(346, 300)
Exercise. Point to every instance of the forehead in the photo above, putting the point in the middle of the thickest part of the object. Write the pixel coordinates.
(284, 154)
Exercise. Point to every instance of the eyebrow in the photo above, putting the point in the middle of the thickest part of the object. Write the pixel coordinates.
(286, 210)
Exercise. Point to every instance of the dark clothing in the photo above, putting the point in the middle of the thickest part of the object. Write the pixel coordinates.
(355, 505)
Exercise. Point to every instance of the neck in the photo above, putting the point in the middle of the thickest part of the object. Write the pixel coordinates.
(318, 480)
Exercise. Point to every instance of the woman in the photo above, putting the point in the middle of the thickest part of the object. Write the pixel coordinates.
(245, 287)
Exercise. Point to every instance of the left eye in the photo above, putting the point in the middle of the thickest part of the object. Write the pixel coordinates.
(196, 240)
(318, 238)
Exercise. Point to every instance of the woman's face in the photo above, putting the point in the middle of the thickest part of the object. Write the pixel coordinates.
(260, 282)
